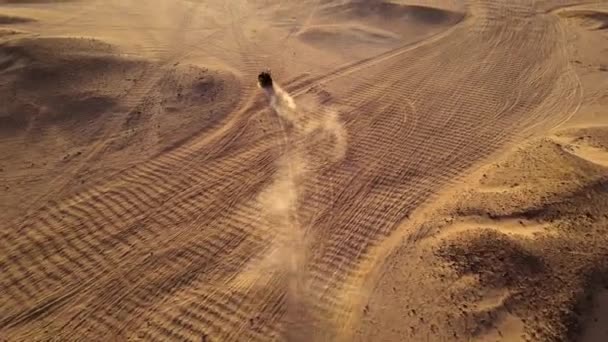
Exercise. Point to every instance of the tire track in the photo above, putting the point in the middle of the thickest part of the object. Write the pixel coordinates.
(417, 120)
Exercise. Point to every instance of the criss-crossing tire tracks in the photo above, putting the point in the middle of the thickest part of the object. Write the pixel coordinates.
(176, 248)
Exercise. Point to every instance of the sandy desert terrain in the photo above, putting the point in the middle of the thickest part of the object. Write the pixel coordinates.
(424, 170)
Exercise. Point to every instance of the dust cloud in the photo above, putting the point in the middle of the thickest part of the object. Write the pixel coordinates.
(302, 129)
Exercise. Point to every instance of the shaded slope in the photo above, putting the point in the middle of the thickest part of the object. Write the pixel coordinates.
(354, 28)
(595, 20)
(386, 14)
(348, 38)
(7, 20)
(72, 101)
(389, 10)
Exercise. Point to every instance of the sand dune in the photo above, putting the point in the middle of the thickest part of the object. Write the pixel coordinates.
(391, 11)
(35, 69)
(410, 22)
(347, 39)
(346, 35)
(595, 20)
(79, 96)
(422, 170)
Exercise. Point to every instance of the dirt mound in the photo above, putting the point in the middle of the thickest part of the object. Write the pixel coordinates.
(193, 99)
(495, 258)
(593, 136)
(593, 20)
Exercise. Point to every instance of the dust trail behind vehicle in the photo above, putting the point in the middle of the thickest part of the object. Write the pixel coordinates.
(301, 128)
